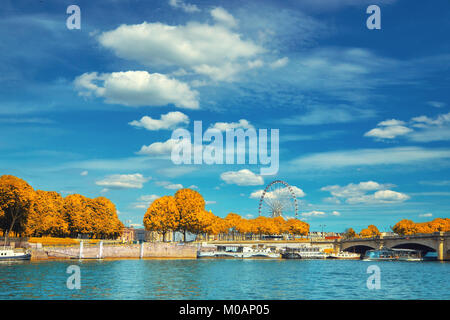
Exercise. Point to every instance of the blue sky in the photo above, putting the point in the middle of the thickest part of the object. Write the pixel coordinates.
(364, 115)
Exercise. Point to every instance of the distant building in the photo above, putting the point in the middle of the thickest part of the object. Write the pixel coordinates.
(131, 234)
(127, 234)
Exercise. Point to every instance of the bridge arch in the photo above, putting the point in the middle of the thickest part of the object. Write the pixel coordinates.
(415, 246)
(358, 248)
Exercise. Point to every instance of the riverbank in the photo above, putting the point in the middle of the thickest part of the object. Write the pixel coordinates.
(122, 251)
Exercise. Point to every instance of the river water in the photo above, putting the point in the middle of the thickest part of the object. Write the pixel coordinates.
(224, 279)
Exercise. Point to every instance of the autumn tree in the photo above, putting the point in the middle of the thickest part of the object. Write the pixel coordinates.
(16, 197)
(405, 227)
(162, 216)
(79, 214)
(46, 216)
(233, 220)
(104, 219)
(297, 227)
(349, 233)
(369, 232)
(409, 227)
(190, 205)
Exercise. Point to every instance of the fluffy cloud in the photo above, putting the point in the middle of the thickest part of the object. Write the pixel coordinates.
(437, 104)
(242, 177)
(221, 16)
(419, 129)
(137, 88)
(279, 63)
(358, 193)
(212, 50)
(320, 114)
(123, 181)
(282, 192)
(168, 121)
(186, 7)
(145, 201)
(84, 173)
(169, 185)
(427, 215)
(313, 213)
(160, 148)
(369, 157)
(241, 124)
(388, 129)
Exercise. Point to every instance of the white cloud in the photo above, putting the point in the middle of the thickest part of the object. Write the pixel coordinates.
(241, 124)
(279, 193)
(313, 213)
(212, 50)
(437, 104)
(320, 114)
(426, 215)
(358, 193)
(210, 202)
(426, 129)
(242, 177)
(160, 148)
(137, 88)
(221, 16)
(336, 213)
(169, 185)
(145, 201)
(167, 121)
(174, 186)
(148, 198)
(123, 181)
(84, 173)
(186, 7)
(369, 157)
(389, 129)
(279, 63)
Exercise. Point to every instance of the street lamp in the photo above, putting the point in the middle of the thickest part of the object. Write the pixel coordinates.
(322, 225)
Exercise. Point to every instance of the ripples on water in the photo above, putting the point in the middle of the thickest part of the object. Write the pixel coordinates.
(224, 279)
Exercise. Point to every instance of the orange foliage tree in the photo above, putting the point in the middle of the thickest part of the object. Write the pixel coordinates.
(46, 216)
(369, 232)
(408, 227)
(16, 197)
(190, 206)
(162, 216)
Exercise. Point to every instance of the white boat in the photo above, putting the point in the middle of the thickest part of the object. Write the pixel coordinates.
(303, 253)
(343, 255)
(239, 252)
(9, 254)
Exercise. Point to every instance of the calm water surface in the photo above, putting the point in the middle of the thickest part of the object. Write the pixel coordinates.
(224, 279)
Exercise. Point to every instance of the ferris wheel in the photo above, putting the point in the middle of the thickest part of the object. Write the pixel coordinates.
(278, 200)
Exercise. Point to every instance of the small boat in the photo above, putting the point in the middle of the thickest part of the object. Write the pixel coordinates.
(303, 253)
(9, 255)
(238, 252)
(344, 255)
(387, 254)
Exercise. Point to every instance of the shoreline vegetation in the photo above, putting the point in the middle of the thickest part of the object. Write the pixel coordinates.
(48, 218)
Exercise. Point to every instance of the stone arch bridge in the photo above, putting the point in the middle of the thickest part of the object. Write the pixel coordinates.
(438, 242)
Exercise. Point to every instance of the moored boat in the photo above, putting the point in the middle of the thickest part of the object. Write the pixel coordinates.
(303, 253)
(387, 254)
(343, 255)
(238, 252)
(10, 255)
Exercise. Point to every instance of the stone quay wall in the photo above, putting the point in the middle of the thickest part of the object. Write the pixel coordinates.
(122, 251)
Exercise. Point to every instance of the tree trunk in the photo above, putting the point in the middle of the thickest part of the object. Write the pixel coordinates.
(9, 230)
